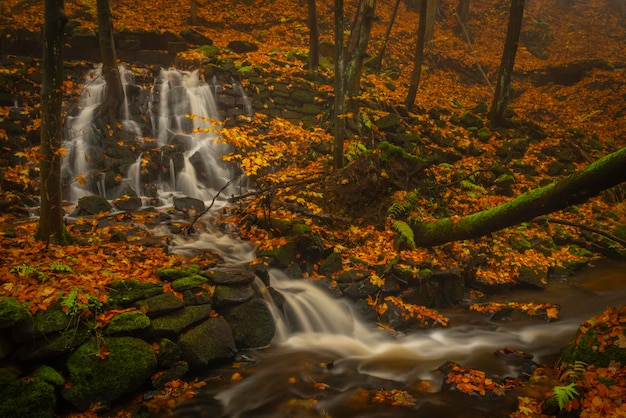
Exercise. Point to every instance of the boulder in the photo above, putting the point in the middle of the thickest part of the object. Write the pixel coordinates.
(252, 323)
(170, 325)
(232, 295)
(207, 343)
(160, 304)
(12, 312)
(92, 205)
(96, 376)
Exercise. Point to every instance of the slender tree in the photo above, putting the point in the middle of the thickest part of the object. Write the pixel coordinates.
(314, 36)
(339, 127)
(193, 12)
(378, 63)
(462, 14)
(572, 190)
(114, 93)
(360, 37)
(51, 228)
(503, 86)
(419, 55)
(431, 18)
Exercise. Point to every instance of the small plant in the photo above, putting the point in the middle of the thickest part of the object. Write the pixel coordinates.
(563, 394)
(75, 303)
(25, 271)
(59, 267)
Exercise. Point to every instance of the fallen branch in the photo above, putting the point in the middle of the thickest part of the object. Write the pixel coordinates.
(581, 226)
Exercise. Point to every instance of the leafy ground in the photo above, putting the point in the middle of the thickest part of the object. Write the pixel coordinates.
(562, 127)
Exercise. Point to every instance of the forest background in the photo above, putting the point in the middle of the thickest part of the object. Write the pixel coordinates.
(561, 126)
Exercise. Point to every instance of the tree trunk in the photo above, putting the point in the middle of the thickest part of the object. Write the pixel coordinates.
(431, 18)
(378, 63)
(354, 65)
(463, 12)
(503, 86)
(419, 55)
(339, 127)
(314, 36)
(114, 94)
(194, 12)
(51, 228)
(575, 189)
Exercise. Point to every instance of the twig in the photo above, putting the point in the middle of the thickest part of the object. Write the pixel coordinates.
(228, 183)
(581, 226)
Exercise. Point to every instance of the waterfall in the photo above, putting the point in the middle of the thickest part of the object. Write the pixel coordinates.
(179, 112)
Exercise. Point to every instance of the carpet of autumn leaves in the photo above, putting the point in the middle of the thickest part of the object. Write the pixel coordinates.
(279, 26)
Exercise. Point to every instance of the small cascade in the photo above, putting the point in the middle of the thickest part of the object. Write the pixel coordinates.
(179, 112)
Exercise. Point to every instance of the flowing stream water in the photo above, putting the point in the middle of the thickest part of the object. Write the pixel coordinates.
(322, 349)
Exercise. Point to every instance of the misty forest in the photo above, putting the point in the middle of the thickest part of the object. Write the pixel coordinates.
(301, 208)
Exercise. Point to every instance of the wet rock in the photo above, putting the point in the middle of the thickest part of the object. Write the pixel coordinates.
(176, 372)
(12, 312)
(160, 304)
(170, 325)
(171, 274)
(232, 295)
(196, 296)
(128, 365)
(194, 37)
(332, 264)
(207, 343)
(229, 277)
(168, 354)
(42, 323)
(187, 283)
(533, 276)
(127, 203)
(52, 345)
(189, 205)
(92, 205)
(252, 323)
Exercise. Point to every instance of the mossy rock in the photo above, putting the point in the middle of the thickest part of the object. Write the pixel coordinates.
(332, 264)
(44, 322)
(232, 295)
(160, 304)
(12, 312)
(229, 277)
(171, 274)
(596, 342)
(170, 325)
(284, 254)
(620, 232)
(208, 343)
(125, 292)
(252, 323)
(187, 283)
(34, 398)
(126, 368)
(127, 322)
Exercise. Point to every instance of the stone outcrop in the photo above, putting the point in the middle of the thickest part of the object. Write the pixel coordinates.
(158, 331)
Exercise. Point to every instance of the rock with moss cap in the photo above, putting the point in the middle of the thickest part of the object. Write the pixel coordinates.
(127, 367)
(210, 342)
(126, 292)
(252, 323)
(12, 312)
(33, 397)
(126, 323)
(171, 274)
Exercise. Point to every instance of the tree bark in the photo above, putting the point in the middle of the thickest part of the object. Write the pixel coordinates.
(114, 94)
(51, 228)
(194, 12)
(463, 12)
(503, 86)
(418, 59)
(339, 123)
(314, 36)
(431, 18)
(575, 189)
(381, 54)
(354, 64)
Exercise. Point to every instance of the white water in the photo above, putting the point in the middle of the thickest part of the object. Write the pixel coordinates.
(186, 116)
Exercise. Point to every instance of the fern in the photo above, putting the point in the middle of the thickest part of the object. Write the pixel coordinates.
(399, 209)
(562, 394)
(405, 232)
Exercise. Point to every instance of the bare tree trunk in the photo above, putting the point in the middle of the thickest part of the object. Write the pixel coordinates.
(314, 36)
(339, 127)
(114, 93)
(575, 189)
(418, 59)
(503, 86)
(194, 12)
(381, 54)
(51, 228)
(463, 12)
(354, 65)
(431, 18)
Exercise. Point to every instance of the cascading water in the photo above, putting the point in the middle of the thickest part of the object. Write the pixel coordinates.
(180, 112)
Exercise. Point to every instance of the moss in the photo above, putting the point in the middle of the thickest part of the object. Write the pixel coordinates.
(128, 365)
(128, 322)
(125, 292)
(620, 232)
(284, 254)
(9, 374)
(49, 375)
(331, 265)
(28, 399)
(172, 274)
(12, 312)
(187, 283)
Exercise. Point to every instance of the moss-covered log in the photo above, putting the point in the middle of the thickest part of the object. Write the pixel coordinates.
(605, 173)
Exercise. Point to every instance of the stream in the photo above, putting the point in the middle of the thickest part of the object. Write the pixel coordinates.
(323, 351)
(324, 359)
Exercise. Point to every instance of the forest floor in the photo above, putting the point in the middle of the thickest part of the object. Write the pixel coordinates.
(564, 127)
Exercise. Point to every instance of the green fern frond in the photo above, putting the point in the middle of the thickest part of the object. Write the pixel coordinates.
(398, 209)
(405, 232)
(562, 394)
